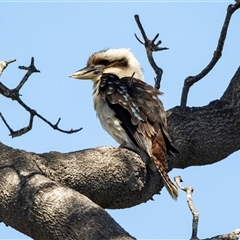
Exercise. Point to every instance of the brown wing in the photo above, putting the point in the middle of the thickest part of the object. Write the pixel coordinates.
(137, 106)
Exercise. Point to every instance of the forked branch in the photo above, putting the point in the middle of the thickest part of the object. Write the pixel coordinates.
(189, 81)
(151, 47)
(14, 95)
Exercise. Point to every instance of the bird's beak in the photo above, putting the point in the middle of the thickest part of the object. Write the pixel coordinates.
(89, 72)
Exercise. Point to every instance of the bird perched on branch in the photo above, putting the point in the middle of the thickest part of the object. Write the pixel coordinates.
(129, 109)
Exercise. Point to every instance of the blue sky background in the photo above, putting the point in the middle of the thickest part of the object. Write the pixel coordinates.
(62, 35)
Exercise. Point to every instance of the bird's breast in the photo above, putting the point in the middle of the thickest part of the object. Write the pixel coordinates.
(108, 120)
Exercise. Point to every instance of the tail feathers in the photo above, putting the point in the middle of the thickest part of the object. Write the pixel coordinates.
(172, 189)
(170, 186)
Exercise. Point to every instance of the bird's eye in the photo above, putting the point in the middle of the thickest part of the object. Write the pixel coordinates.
(104, 62)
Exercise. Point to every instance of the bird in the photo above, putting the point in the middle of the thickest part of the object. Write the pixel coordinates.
(129, 109)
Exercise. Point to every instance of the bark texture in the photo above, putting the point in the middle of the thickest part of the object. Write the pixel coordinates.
(44, 209)
(62, 195)
(210, 133)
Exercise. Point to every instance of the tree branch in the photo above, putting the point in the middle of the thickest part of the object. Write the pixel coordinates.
(189, 191)
(195, 127)
(193, 130)
(41, 194)
(44, 209)
(31, 69)
(15, 96)
(189, 81)
(151, 47)
(110, 188)
(229, 236)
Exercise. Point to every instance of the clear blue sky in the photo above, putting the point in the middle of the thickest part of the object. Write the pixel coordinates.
(62, 35)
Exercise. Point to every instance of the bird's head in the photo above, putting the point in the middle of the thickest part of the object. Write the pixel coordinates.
(120, 62)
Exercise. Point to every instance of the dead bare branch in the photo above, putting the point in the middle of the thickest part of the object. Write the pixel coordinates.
(189, 81)
(189, 191)
(15, 96)
(151, 47)
(31, 69)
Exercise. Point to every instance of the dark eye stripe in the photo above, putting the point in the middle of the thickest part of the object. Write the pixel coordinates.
(104, 62)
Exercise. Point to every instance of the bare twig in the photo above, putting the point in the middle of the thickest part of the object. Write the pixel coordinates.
(189, 81)
(31, 69)
(189, 191)
(151, 47)
(14, 95)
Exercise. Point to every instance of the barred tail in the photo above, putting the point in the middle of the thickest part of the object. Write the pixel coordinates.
(170, 186)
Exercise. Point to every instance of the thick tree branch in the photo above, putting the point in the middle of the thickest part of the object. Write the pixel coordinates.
(44, 209)
(193, 130)
(110, 188)
(205, 135)
(229, 236)
(42, 194)
(189, 81)
(15, 96)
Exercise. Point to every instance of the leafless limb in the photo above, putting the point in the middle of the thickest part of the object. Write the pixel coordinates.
(151, 47)
(31, 69)
(189, 191)
(189, 81)
(15, 96)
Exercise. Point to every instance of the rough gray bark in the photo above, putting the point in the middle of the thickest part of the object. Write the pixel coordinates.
(207, 134)
(42, 195)
(44, 209)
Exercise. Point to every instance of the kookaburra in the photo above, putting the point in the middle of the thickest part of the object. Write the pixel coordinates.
(129, 109)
